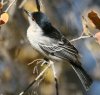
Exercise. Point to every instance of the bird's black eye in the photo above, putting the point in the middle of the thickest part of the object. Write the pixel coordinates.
(33, 19)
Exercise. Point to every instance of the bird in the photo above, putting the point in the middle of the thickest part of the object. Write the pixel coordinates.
(53, 45)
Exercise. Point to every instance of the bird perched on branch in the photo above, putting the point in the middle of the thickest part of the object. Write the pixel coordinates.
(51, 43)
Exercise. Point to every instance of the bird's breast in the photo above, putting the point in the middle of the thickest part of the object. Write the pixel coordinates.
(35, 36)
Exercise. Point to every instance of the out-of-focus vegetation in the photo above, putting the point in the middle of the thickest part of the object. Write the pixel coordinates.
(16, 52)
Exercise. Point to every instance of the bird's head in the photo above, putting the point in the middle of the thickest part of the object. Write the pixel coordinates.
(39, 18)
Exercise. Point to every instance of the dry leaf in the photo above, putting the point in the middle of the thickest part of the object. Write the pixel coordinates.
(93, 16)
(97, 36)
(4, 18)
(2, 22)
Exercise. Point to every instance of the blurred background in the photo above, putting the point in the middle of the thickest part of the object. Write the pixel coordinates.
(16, 52)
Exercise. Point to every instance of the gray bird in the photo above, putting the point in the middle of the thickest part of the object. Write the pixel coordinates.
(52, 44)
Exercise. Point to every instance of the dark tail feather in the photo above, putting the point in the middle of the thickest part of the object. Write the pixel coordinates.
(83, 76)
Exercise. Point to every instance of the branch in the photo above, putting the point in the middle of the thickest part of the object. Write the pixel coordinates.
(85, 32)
(37, 60)
(22, 3)
(55, 77)
(10, 5)
(81, 37)
(36, 78)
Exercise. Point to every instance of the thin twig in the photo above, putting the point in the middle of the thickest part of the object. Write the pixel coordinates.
(40, 81)
(35, 70)
(22, 3)
(57, 86)
(55, 77)
(33, 82)
(53, 69)
(81, 37)
(35, 61)
(10, 5)
(43, 63)
(84, 32)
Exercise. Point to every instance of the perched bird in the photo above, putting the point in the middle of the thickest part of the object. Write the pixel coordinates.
(51, 43)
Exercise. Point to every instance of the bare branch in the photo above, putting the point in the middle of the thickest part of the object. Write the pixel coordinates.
(49, 64)
(55, 77)
(22, 3)
(37, 60)
(81, 37)
(10, 5)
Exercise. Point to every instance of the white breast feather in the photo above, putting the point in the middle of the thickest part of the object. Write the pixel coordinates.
(34, 35)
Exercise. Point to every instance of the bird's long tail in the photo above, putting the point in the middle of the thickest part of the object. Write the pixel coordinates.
(83, 76)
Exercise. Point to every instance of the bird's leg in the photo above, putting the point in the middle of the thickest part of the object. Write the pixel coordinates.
(46, 60)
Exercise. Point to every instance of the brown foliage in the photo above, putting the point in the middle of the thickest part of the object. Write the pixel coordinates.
(93, 16)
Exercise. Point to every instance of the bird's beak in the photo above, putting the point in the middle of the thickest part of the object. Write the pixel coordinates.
(27, 12)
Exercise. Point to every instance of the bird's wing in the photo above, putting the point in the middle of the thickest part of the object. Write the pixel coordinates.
(61, 50)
